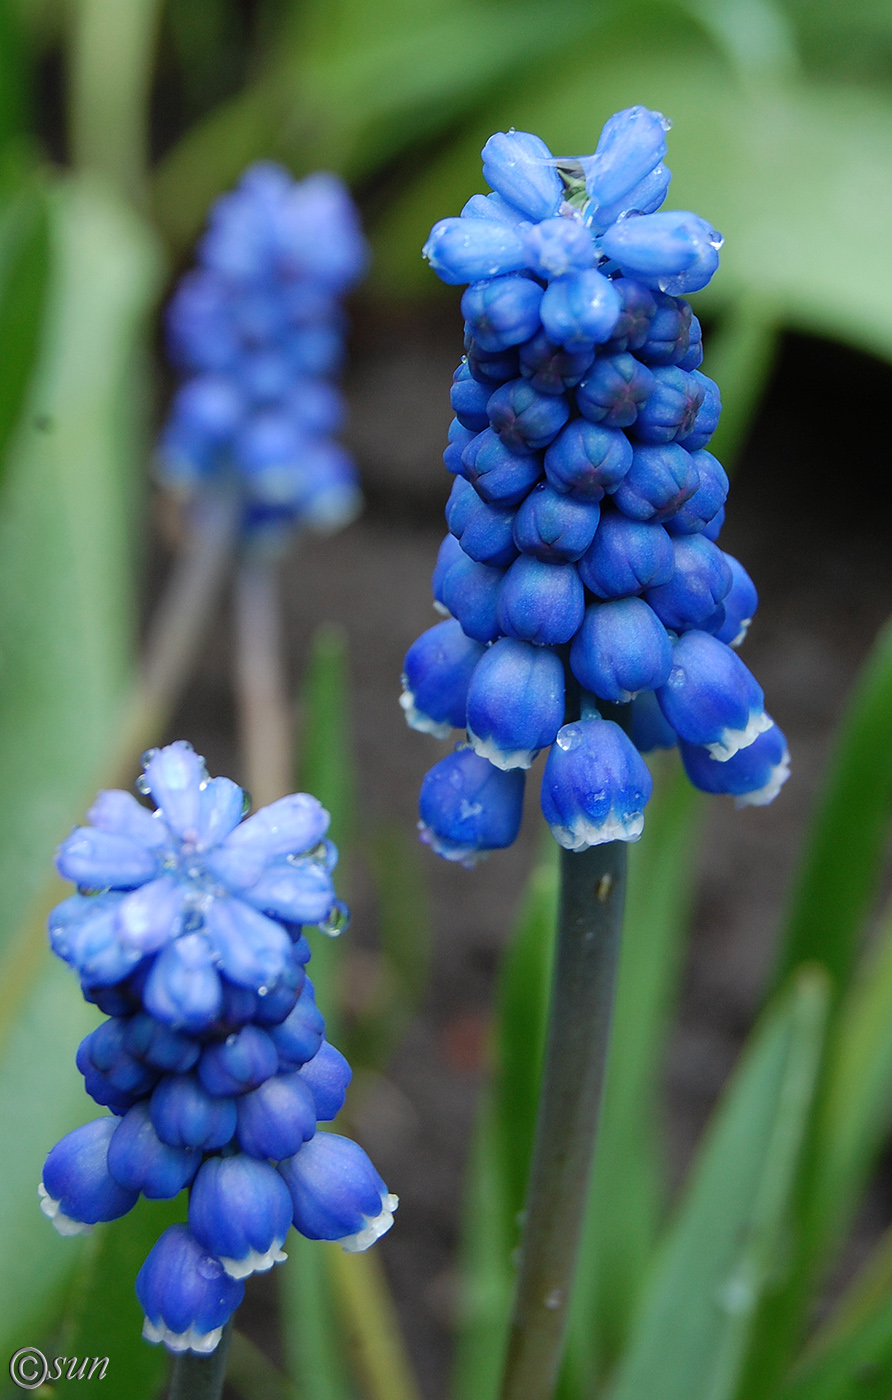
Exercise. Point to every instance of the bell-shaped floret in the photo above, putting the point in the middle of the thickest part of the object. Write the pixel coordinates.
(595, 786)
(299, 1036)
(525, 419)
(614, 390)
(632, 143)
(626, 556)
(436, 676)
(183, 987)
(337, 1194)
(701, 580)
(83, 932)
(101, 860)
(185, 1293)
(637, 308)
(587, 459)
(470, 592)
(466, 250)
(580, 309)
(240, 1210)
(707, 500)
(673, 251)
(551, 369)
(740, 605)
(113, 1076)
(140, 1161)
(708, 414)
(485, 531)
(158, 1045)
(555, 527)
(173, 776)
(152, 915)
(467, 807)
(754, 776)
(184, 1114)
(541, 603)
(620, 649)
(502, 311)
(555, 247)
(670, 331)
(290, 826)
(670, 413)
(515, 702)
(500, 475)
(657, 484)
(327, 1076)
(711, 699)
(242, 1061)
(520, 167)
(648, 727)
(276, 1118)
(77, 1190)
(273, 1003)
(469, 399)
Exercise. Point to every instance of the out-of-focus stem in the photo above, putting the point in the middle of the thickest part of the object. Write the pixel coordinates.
(264, 714)
(589, 926)
(195, 1377)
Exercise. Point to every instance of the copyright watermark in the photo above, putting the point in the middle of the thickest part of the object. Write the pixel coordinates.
(30, 1369)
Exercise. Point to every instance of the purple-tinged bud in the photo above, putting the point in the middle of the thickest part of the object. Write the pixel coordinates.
(558, 246)
(500, 476)
(674, 251)
(711, 699)
(515, 703)
(701, 580)
(580, 310)
(707, 500)
(109, 1067)
(470, 592)
(459, 436)
(620, 649)
(299, 1036)
(587, 459)
(614, 391)
(274, 1120)
(707, 419)
(637, 308)
(632, 143)
(140, 1161)
(490, 367)
(240, 1210)
(740, 605)
(555, 527)
(277, 1001)
(240, 1062)
(658, 483)
(98, 860)
(693, 358)
(754, 775)
(83, 932)
(467, 250)
(337, 1194)
(671, 410)
(670, 332)
(648, 726)
(595, 786)
(550, 369)
(526, 420)
(158, 1045)
(467, 807)
(185, 1293)
(714, 528)
(486, 532)
(184, 1114)
(520, 167)
(541, 603)
(183, 987)
(326, 1076)
(436, 676)
(469, 399)
(502, 311)
(77, 1190)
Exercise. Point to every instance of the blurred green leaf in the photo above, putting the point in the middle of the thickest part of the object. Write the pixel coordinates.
(24, 269)
(252, 1375)
(626, 1196)
(314, 1352)
(690, 1338)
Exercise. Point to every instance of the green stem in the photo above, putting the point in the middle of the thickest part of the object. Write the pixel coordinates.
(589, 925)
(195, 1377)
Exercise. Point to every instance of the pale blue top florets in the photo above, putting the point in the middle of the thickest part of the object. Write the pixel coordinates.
(585, 511)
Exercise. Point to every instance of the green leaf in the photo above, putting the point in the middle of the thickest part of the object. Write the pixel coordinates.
(626, 1196)
(252, 1375)
(314, 1353)
(690, 1338)
(24, 267)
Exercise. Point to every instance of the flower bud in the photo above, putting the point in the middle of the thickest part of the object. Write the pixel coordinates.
(700, 581)
(626, 556)
(658, 483)
(240, 1210)
(620, 649)
(707, 500)
(526, 420)
(740, 605)
(337, 1194)
(673, 251)
(580, 309)
(541, 603)
(595, 786)
(754, 775)
(240, 1062)
(466, 250)
(502, 311)
(556, 247)
(185, 1293)
(299, 1036)
(671, 409)
(184, 1114)
(500, 475)
(614, 391)
(183, 987)
(710, 698)
(77, 1189)
(327, 1075)
(468, 807)
(276, 1118)
(588, 459)
(520, 167)
(553, 527)
(140, 1161)
(515, 703)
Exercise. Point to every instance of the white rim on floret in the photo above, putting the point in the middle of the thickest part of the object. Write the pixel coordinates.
(375, 1226)
(417, 719)
(441, 608)
(741, 635)
(193, 1340)
(584, 833)
(506, 759)
(254, 1262)
(468, 856)
(65, 1224)
(733, 740)
(763, 795)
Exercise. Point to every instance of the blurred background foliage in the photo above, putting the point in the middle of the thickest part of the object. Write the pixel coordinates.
(120, 121)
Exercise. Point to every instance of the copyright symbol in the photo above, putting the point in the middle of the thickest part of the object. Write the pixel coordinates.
(29, 1368)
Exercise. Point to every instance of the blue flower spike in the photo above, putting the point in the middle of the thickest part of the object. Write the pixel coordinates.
(592, 614)
(187, 930)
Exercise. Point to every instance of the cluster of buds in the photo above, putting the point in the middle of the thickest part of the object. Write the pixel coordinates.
(591, 610)
(187, 932)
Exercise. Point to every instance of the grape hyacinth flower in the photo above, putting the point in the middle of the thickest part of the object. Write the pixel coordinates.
(257, 331)
(591, 612)
(187, 932)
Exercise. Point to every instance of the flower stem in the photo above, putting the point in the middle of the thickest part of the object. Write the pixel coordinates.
(590, 919)
(195, 1377)
(265, 721)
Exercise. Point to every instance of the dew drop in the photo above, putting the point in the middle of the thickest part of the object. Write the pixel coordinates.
(142, 785)
(570, 737)
(336, 920)
(246, 802)
(467, 810)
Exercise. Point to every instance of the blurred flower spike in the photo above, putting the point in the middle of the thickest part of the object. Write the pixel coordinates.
(590, 609)
(187, 932)
(257, 329)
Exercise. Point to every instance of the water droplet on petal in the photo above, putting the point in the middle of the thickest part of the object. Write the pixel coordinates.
(336, 920)
(246, 802)
(570, 737)
(142, 785)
